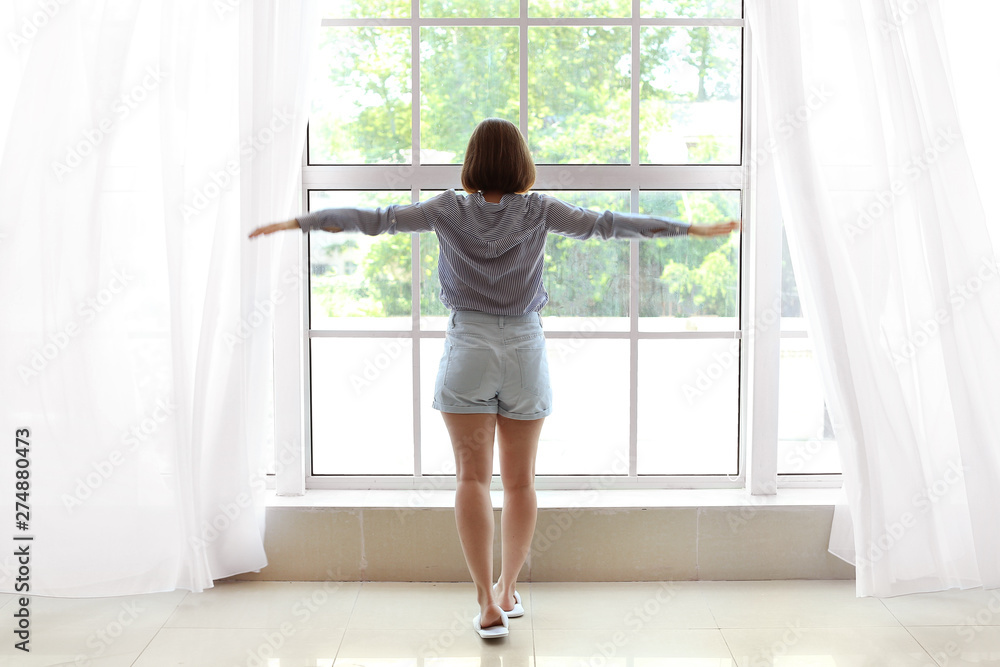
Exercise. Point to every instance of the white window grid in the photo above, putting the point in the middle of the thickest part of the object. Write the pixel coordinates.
(757, 432)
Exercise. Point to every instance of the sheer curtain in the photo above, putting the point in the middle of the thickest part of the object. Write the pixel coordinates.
(141, 141)
(898, 279)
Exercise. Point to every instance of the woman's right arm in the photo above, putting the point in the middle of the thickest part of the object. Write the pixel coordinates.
(581, 223)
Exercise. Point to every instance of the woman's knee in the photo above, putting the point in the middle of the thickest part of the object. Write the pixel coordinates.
(519, 483)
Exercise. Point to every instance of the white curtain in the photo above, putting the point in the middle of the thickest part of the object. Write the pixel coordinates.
(141, 141)
(898, 280)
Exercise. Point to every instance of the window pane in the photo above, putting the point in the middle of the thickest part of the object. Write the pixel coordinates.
(806, 441)
(692, 8)
(466, 75)
(356, 9)
(575, 440)
(433, 314)
(689, 109)
(574, 8)
(585, 436)
(688, 403)
(469, 8)
(689, 283)
(587, 281)
(791, 309)
(579, 94)
(353, 382)
(358, 281)
(361, 97)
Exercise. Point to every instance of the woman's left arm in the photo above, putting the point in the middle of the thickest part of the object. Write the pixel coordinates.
(278, 227)
(391, 219)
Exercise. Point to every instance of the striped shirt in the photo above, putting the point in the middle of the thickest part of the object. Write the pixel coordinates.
(491, 255)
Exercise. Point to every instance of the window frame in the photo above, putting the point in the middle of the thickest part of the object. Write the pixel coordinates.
(757, 422)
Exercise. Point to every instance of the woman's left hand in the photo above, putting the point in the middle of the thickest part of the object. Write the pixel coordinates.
(714, 230)
(274, 227)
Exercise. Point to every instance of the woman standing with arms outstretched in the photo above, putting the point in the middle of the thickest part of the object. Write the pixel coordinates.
(493, 383)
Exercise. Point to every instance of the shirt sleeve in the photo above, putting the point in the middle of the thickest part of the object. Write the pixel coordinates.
(391, 219)
(582, 223)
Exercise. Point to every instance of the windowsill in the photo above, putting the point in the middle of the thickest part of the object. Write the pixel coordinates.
(560, 499)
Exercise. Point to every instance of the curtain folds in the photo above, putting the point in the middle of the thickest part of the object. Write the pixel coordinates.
(140, 144)
(898, 281)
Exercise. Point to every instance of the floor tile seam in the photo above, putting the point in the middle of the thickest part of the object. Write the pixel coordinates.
(350, 618)
(164, 624)
(276, 628)
(831, 627)
(138, 656)
(923, 648)
(732, 654)
(174, 610)
(531, 617)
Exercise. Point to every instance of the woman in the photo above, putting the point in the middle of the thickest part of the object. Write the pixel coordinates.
(492, 382)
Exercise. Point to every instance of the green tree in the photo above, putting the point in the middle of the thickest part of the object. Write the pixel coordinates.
(578, 111)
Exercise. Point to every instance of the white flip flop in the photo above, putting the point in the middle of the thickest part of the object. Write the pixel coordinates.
(494, 631)
(518, 609)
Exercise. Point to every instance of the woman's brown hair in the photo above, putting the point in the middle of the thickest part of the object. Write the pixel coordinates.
(497, 159)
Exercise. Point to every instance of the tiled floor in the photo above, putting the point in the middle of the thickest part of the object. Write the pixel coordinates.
(673, 624)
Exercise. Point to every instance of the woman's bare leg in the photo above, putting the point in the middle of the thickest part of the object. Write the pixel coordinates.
(472, 440)
(518, 441)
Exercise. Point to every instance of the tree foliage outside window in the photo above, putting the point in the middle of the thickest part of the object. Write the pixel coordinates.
(578, 111)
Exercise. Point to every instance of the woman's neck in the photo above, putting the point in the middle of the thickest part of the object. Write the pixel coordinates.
(493, 196)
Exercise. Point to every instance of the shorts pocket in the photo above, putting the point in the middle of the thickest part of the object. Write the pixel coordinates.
(534, 370)
(466, 368)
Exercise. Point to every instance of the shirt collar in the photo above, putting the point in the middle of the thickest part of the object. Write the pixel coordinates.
(504, 200)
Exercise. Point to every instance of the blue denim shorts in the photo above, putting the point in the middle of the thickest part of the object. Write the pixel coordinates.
(494, 364)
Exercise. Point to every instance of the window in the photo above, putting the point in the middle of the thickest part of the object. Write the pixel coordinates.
(635, 112)
(806, 443)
